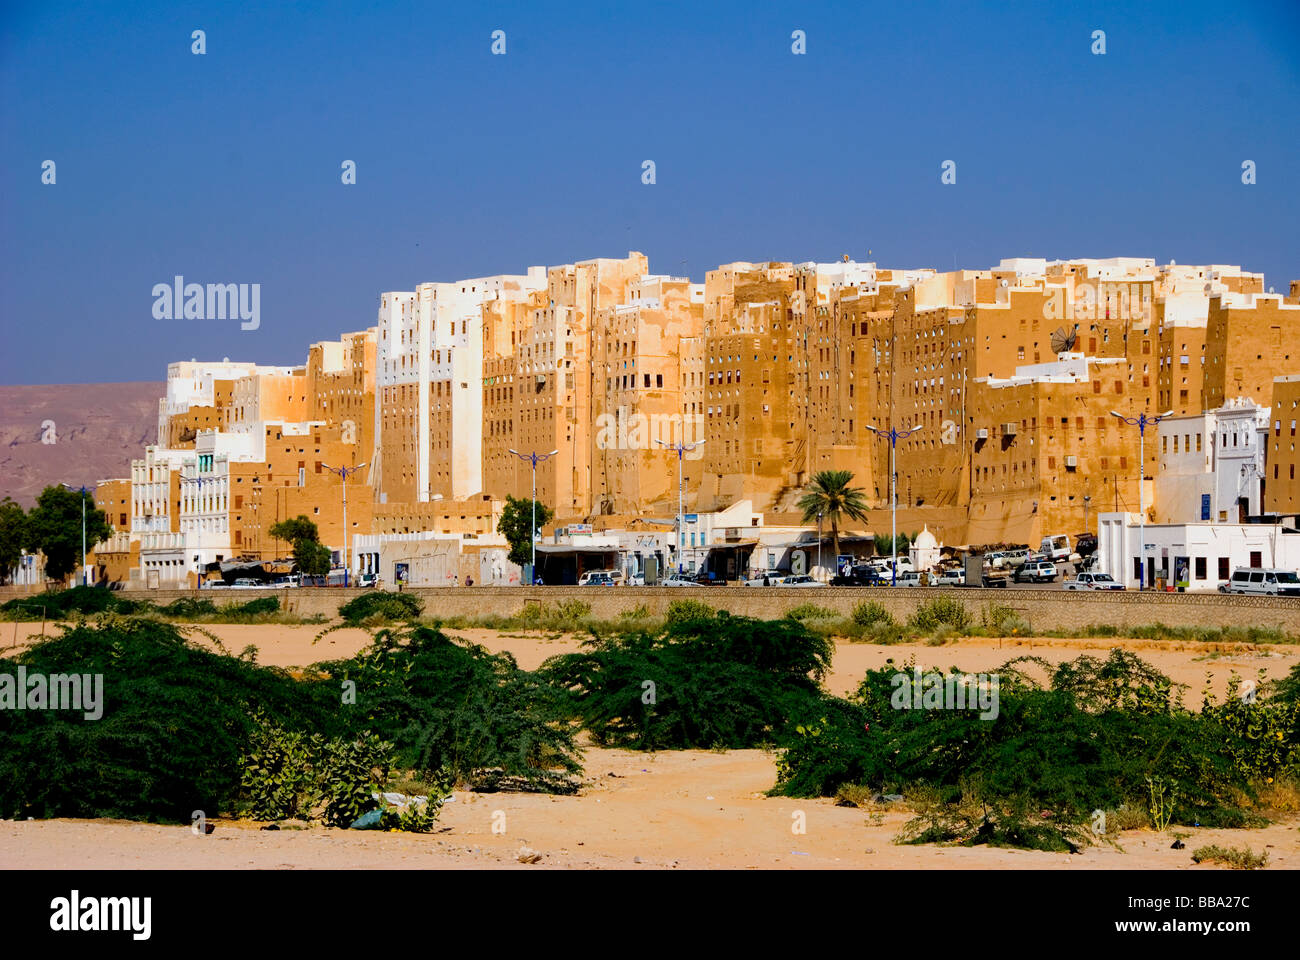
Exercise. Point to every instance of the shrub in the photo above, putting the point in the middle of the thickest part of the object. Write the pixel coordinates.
(380, 604)
(278, 779)
(176, 719)
(1002, 621)
(810, 611)
(186, 607)
(1234, 857)
(1110, 735)
(456, 710)
(871, 613)
(941, 610)
(568, 615)
(683, 610)
(703, 682)
(253, 608)
(60, 604)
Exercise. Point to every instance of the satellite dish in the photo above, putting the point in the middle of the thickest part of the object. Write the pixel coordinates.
(1004, 281)
(1063, 340)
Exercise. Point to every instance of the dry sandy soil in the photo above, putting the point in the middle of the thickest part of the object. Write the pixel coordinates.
(681, 809)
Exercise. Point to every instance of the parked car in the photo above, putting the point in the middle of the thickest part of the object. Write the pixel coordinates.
(1268, 582)
(802, 580)
(677, 582)
(367, 580)
(247, 583)
(596, 578)
(765, 579)
(951, 578)
(908, 579)
(1093, 581)
(862, 575)
(1036, 571)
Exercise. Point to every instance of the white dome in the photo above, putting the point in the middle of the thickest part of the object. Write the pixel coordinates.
(925, 540)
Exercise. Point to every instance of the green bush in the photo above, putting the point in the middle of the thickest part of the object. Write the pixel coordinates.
(175, 720)
(871, 613)
(810, 611)
(380, 604)
(719, 681)
(947, 611)
(1233, 857)
(184, 608)
(683, 610)
(1096, 734)
(61, 604)
(253, 608)
(456, 710)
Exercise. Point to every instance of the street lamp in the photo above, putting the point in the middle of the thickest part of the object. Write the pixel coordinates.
(85, 574)
(819, 541)
(1087, 499)
(893, 436)
(534, 459)
(1141, 421)
(343, 472)
(681, 449)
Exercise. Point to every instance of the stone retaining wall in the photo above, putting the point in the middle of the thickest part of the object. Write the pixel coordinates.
(1043, 609)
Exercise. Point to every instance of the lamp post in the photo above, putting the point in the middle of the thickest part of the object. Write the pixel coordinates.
(534, 458)
(344, 473)
(1087, 499)
(819, 541)
(1142, 421)
(681, 449)
(84, 572)
(893, 436)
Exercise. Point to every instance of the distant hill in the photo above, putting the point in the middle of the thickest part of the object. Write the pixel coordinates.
(98, 429)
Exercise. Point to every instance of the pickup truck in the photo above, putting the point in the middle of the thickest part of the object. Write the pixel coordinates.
(1093, 581)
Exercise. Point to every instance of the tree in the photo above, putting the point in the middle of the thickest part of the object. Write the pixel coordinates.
(295, 529)
(312, 557)
(515, 523)
(830, 495)
(884, 547)
(54, 528)
(13, 525)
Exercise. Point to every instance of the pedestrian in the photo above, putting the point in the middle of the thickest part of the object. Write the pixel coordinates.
(469, 581)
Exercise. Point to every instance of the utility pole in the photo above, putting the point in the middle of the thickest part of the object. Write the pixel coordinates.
(534, 459)
(343, 472)
(681, 447)
(1142, 421)
(893, 436)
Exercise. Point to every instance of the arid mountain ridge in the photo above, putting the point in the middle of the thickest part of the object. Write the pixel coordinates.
(96, 429)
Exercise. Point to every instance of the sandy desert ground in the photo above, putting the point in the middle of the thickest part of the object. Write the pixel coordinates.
(684, 810)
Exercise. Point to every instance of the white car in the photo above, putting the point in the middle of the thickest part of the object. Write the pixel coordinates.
(1093, 581)
(909, 579)
(950, 578)
(677, 582)
(766, 579)
(798, 581)
(247, 583)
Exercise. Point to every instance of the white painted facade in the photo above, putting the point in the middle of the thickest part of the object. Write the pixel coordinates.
(1203, 554)
(433, 337)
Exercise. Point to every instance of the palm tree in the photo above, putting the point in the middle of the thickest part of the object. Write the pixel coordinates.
(830, 495)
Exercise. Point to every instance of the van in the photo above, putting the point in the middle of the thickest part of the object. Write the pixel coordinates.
(1269, 582)
(1055, 547)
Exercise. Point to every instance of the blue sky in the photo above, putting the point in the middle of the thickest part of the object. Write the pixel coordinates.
(226, 167)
